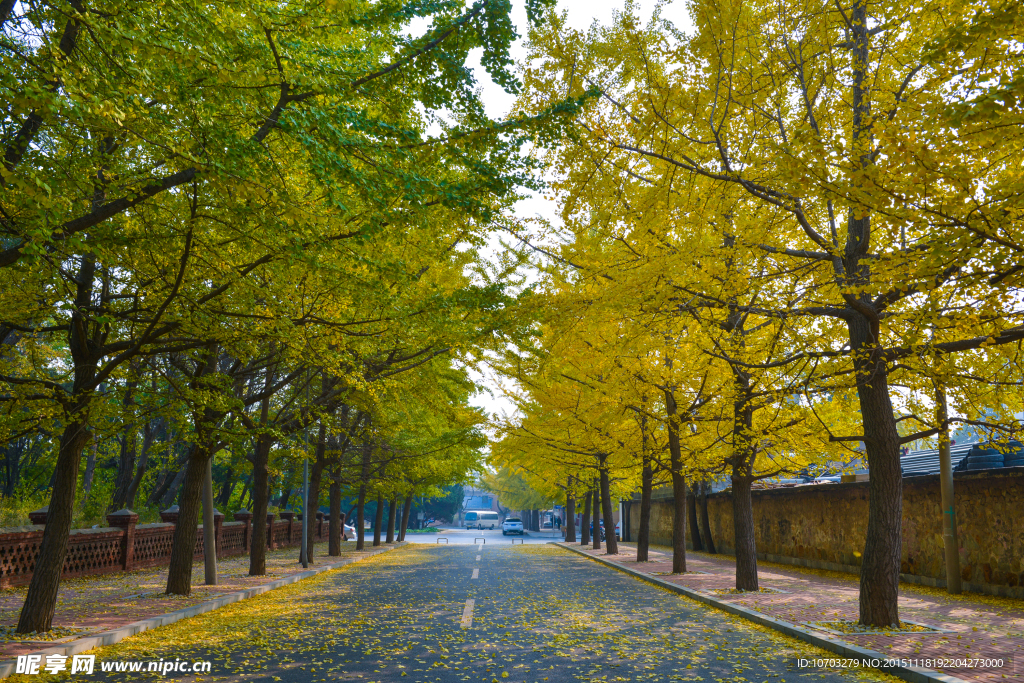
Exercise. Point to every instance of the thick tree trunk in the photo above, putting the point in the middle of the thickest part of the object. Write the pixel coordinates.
(260, 504)
(391, 521)
(743, 532)
(312, 506)
(643, 536)
(364, 477)
(585, 521)
(570, 514)
(691, 506)
(360, 518)
(41, 599)
(595, 531)
(880, 567)
(378, 520)
(611, 542)
(406, 510)
(678, 523)
(743, 461)
(709, 541)
(334, 531)
(183, 547)
(678, 488)
(313, 500)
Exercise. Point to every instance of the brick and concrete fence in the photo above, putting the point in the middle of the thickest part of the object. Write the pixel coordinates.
(125, 545)
(825, 526)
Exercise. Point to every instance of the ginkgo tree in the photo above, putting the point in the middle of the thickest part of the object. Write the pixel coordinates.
(649, 333)
(169, 191)
(863, 154)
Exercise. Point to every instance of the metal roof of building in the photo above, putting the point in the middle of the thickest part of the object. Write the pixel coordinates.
(917, 463)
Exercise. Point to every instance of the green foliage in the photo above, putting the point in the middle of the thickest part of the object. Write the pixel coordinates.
(254, 200)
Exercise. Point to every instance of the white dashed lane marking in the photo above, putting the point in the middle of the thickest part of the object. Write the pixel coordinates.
(476, 574)
(467, 614)
(477, 558)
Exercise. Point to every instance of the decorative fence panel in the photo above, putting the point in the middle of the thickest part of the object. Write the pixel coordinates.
(282, 533)
(153, 545)
(125, 545)
(233, 540)
(18, 552)
(93, 551)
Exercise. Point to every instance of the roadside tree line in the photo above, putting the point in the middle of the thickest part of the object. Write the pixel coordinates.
(249, 233)
(789, 235)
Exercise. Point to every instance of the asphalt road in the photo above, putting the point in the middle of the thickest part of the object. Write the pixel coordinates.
(462, 613)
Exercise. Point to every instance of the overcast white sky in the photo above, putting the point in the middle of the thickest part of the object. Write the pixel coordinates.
(581, 14)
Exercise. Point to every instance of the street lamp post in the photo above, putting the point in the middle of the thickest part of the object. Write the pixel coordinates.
(949, 538)
(209, 530)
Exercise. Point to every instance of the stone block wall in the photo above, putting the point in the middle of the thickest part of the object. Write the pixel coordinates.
(825, 525)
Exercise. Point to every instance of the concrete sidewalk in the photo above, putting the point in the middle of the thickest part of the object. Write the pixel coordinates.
(969, 626)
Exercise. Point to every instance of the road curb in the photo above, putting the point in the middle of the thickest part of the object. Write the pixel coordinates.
(835, 645)
(105, 638)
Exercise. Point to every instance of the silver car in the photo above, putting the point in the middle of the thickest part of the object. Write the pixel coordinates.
(512, 525)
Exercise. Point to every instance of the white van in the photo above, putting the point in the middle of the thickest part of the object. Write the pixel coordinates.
(481, 519)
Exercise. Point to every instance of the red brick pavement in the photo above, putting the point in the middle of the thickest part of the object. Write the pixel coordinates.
(94, 604)
(980, 625)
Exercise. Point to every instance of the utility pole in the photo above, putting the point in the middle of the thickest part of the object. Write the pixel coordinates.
(209, 531)
(303, 555)
(305, 508)
(949, 539)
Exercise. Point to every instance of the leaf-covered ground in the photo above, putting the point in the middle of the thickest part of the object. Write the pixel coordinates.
(92, 604)
(969, 626)
(541, 614)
